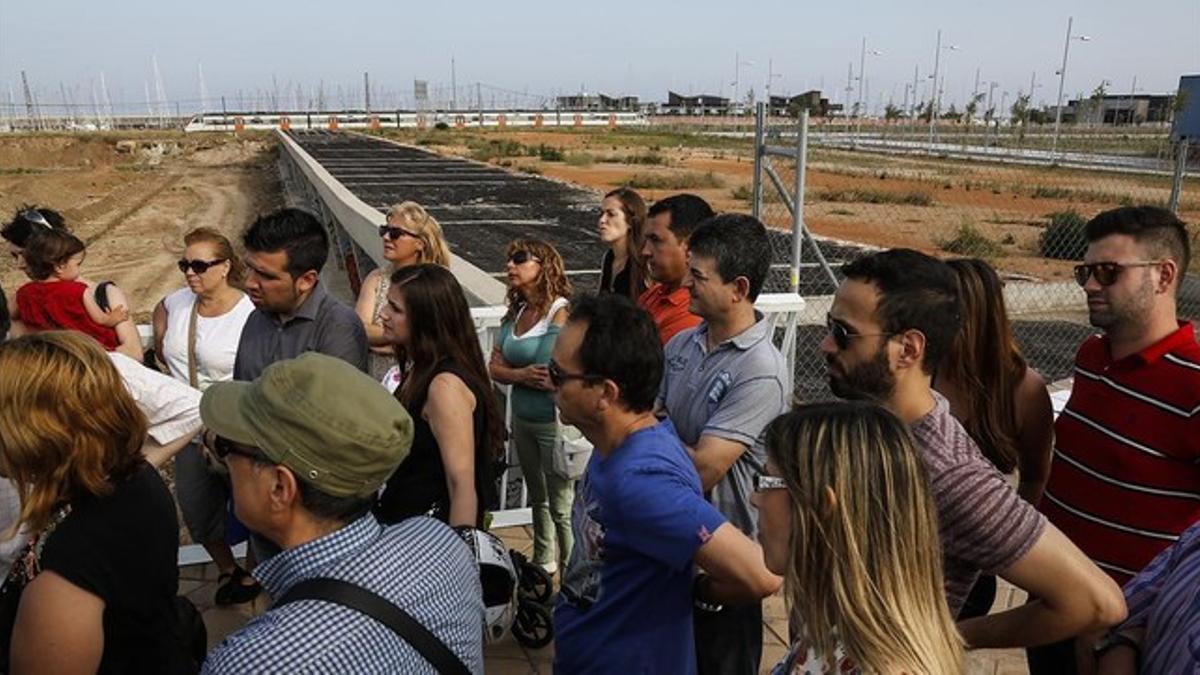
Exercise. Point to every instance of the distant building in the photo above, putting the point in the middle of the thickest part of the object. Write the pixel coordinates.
(699, 104)
(598, 103)
(1117, 109)
(817, 105)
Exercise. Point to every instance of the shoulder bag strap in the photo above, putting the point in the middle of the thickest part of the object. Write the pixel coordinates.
(193, 378)
(384, 611)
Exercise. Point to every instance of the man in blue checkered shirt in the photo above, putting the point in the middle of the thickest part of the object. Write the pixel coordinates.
(308, 444)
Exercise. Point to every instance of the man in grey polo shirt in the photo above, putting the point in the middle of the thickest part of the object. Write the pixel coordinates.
(294, 312)
(724, 382)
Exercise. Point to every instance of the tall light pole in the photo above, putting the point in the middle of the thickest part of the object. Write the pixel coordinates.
(737, 71)
(862, 81)
(1062, 78)
(936, 102)
(771, 75)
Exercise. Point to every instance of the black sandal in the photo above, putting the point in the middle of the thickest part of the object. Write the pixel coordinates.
(233, 591)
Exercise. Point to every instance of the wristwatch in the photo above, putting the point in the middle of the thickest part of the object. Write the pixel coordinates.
(697, 598)
(1113, 640)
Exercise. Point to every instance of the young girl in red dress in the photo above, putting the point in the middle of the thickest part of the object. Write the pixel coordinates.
(57, 299)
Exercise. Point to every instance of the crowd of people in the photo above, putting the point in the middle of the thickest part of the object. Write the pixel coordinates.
(356, 448)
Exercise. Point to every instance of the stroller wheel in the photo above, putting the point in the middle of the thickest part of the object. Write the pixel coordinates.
(534, 583)
(533, 627)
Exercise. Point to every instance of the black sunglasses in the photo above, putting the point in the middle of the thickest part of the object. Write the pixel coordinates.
(842, 334)
(198, 266)
(558, 376)
(224, 447)
(1107, 273)
(522, 257)
(392, 232)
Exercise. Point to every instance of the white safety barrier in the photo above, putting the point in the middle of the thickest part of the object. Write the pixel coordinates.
(462, 119)
(782, 310)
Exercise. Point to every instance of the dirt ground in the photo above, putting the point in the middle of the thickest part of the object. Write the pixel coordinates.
(1008, 205)
(131, 197)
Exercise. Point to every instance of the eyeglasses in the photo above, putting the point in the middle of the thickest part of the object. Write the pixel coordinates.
(1107, 273)
(225, 447)
(522, 257)
(763, 482)
(198, 266)
(392, 232)
(842, 334)
(35, 216)
(558, 376)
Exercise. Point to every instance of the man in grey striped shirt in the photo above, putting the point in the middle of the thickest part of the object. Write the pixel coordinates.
(891, 322)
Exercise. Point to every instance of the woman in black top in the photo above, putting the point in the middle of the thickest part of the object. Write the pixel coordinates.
(458, 431)
(622, 216)
(94, 591)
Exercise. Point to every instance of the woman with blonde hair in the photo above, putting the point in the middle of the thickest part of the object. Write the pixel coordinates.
(196, 334)
(94, 590)
(848, 519)
(410, 237)
(537, 308)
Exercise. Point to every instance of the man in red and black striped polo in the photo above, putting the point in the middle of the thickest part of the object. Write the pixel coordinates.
(1125, 478)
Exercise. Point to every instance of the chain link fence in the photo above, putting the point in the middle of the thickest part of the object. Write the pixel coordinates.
(1015, 195)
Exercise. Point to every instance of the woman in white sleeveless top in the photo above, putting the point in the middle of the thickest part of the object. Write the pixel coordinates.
(196, 334)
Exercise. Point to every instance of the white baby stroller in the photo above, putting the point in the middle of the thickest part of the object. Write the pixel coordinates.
(515, 592)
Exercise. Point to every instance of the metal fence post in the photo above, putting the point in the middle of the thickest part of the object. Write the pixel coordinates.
(759, 141)
(1181, 151)
(798, 208)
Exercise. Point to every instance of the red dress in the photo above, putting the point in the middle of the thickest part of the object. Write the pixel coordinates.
(58, 305)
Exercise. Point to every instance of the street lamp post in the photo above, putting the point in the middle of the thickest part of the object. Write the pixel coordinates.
(862, 82)
(737, 70)
(771, 75)
(1062, 78)
(936, 101)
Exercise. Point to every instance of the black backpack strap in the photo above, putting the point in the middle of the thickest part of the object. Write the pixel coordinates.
(385, 612)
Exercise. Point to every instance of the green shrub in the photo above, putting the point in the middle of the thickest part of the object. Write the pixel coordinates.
(495, 149)
(1064, 237)
(1050, 192)
(547, 153)
(742, 192)
(650, 158)
(913, 198)
(580, 159)
(674, 181)
(969, 241)
(441, 126)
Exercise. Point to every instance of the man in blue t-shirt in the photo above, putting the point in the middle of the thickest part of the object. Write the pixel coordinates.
(640, 520)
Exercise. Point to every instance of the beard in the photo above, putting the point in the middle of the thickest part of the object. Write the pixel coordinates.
(1131, 310)
(871, 380)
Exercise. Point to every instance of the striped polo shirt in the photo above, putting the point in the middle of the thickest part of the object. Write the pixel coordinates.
(1125, 478)
(1163, 599)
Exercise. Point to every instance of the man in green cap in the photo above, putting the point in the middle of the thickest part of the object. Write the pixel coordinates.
(308, 445)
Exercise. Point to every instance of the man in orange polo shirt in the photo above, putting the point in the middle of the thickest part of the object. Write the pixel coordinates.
(669, 223)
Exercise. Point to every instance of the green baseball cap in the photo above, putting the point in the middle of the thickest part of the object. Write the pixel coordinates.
(333, 426)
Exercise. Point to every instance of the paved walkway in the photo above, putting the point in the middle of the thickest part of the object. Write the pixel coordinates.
(507, 657)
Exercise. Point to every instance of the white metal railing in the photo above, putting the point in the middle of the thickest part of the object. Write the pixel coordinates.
(782, 310)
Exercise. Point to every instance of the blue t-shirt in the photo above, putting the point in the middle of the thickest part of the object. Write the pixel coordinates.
(626, 600)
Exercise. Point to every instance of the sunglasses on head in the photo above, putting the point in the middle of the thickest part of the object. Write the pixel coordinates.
(841, 333)
(198, 266)
(392, 232)
(36, 217)
(522, 257)
(558, 376)
(1107, 273)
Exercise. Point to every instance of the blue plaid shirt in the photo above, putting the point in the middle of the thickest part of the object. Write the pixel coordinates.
(419, 564)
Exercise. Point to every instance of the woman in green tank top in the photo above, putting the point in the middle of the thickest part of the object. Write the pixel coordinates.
(537, 308)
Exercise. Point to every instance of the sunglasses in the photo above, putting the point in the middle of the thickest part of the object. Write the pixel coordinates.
(198, 266)
(522, 257)
(223, 447)
(842, 334)
(392, 232)
(1107, 273)
(763, 482)
(35, 216)
(558, 376)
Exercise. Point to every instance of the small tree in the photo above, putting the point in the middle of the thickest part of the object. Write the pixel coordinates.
(971, 108)
(892, 112)
(927, 111)
(952, 114)
(1020, 115)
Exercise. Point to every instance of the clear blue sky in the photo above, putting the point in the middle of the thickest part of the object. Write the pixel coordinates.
(618, 46)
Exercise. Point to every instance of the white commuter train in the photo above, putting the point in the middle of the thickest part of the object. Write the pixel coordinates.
(358, 119)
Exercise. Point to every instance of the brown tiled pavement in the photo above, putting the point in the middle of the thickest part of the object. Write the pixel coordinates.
(507, 657)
